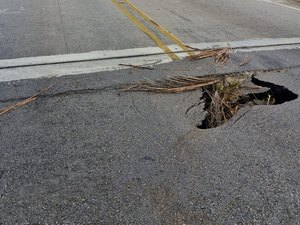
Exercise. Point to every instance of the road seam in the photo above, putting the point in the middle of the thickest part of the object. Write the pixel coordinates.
(245, 45)
(62, 26)
(119, 86)
(93, 62)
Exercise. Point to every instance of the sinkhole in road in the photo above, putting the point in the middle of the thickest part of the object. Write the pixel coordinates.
(223, 100)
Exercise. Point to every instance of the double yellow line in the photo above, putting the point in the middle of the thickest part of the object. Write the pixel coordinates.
(159, 27)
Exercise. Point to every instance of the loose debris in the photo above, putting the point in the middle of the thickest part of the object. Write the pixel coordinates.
(221, 55)
(246, 61)
(137, 66)
(22, 103)
(173, 84)
(224, 96)
(146, 66)
(221, 94)
(17, 105)
(222, 102)
(224, 99)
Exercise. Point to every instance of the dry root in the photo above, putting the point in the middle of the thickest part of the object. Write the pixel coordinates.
(24, 102)
(173, 84)
(17, 105)
(220, 55)
(223, 101)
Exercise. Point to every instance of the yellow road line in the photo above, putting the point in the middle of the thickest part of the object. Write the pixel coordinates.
(160, 28)
(158, 42)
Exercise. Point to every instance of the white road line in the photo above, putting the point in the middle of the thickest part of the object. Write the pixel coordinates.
(80, 57)
(138, 52)
(280, 4)
(74, 64)
(12, 11)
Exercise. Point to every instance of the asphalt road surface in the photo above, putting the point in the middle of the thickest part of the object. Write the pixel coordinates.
(50, 27)
(87, 152)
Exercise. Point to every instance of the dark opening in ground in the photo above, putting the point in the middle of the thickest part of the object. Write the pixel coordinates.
(222, 101)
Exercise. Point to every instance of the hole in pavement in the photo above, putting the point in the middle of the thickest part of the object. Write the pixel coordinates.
(223, 100)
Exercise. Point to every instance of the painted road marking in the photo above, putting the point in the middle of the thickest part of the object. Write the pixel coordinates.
(83, 63)
(143, 28)
(12, 11)
(159, 27)
(271, 43)
(280, 4)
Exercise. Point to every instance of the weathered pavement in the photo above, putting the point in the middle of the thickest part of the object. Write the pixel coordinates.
(51, 27)
(87, 153)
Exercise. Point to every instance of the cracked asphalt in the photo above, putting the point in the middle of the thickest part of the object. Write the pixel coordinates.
(85, 152)
(88, 152)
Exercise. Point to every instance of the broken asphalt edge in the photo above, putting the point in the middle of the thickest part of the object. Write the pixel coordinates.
(263, 61)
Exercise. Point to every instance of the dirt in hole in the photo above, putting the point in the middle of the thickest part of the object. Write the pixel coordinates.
(223, 100)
